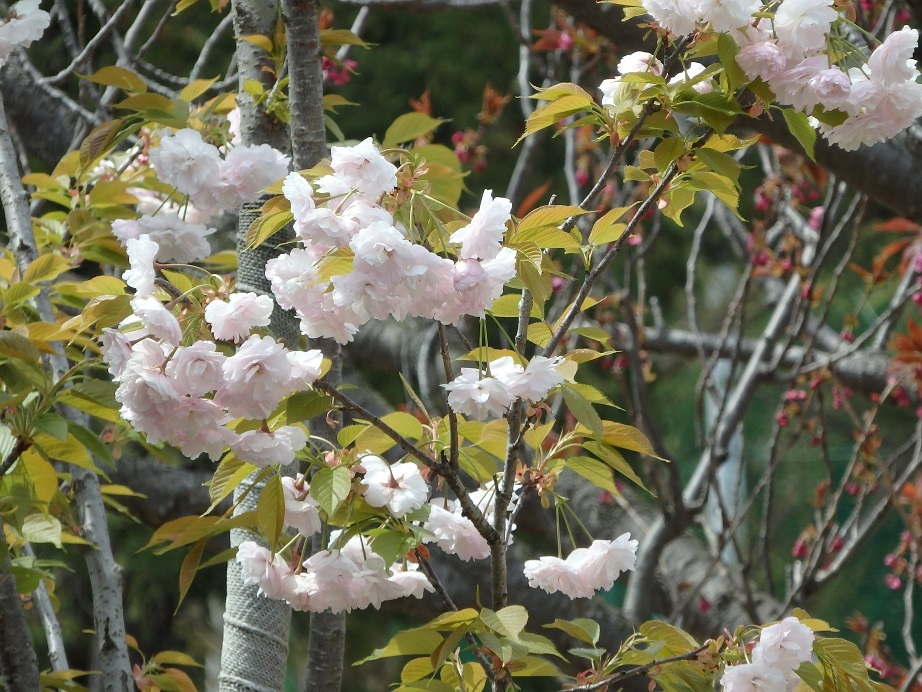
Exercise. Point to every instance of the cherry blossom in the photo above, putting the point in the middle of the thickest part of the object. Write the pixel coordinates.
(263, 449)
(364, 169)
(186, 161)
(141, 275)
(259, 567)
(585, 570)
(197, 369)
(478, 396)
(454, 533)
(755, 677)
(25, 23)
(255, 378)
(157, 320)
(802, 25)
(300, 508)
(400, 487)
(785, 644)
(482, 237)
(177, 240)
(233, 319)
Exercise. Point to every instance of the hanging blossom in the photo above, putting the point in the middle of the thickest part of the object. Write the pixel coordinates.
(195, 167)
(585, 570)
(781, 649)
(177, 240)
(391, 274)
(233, 319)
(793, 53)
(25, 23)
(480, 396)
(400, 487)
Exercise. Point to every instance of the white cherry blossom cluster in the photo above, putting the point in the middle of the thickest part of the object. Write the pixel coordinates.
(620, 95)
(391, 274)
(212, 183)
(24, 23)
(351, 577)
(585, 570)
(781, 649)
(794, 54)
(483, 394)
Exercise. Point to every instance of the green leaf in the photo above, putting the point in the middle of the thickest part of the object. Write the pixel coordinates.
(41, 528)
(17, 346)
(582, 629)
(176, 658)
(196, 88)
(409, 127)
(532, 666)
(581, 409)
(593, 471)
(606, 229)
(554, 112)
(118, 77)
(303, 406)
(229, 474)
(45, 268)
(340, 37)
(615, 461)
(726, 52)
(719, 162)
(270, 510)
(264, 227)
(507, 622)
(552, 215)
(722, 187)
(668, 151)
(800, 127)
(187, 571)
(563, 89)
(330, 487)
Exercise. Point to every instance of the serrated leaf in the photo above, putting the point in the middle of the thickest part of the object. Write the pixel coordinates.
(229, 474)
(554, 112)
(606, 228)
(552, 215)
(176, 658)
(270, 510)
(726, 52)
(118, 77)
(340, 37)
(719, 162)
(45, 268)
(581, 628)
(507, 622)
(15, 345)
(616, 462)
(581, 409)
(799, 126)
(593, 471)
(303, 406)
(408, 127)
(330, 487)
(722, 187)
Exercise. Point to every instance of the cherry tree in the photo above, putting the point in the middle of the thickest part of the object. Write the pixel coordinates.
(506, 471)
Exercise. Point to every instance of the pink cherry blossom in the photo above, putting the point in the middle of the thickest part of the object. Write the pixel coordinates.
(363, 168)
(299, 194)
(478, 396)
(196, 370)
(553, 574)
(538, 378)
(256, 378)
(802, 25)
(725, 15)
(483, 236)
(259, 567)
(300, 508)
(25, 23)
(678, 16)
(177, 240)
(187, 162)
(157, 320)
(785, 644)
(455, 534)
(763, 59)
(753, 677)
(141, 275)
(692, 70)
(400, 487)
(585, 570)
(640, 61)
(233, 319)
(247, 171)
(263, 449)
(892, 62)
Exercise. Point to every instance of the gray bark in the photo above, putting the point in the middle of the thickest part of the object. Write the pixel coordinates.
(18, 664)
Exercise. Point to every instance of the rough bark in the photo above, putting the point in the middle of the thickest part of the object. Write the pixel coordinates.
(18, 664)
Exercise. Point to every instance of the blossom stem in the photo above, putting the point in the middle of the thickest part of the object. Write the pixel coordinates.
(639, 670)
(452, 416)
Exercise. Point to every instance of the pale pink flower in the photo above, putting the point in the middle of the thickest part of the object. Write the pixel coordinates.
(477, 396)
(157, 320)
(263, 449)
(196, 370)
(232, 320)
(299, 194)
(249, 170)
(763, 59)
(116, 350)
(802, 25)
(692, 70)
(832, 88)
(553, 574)
(483, 236)
(753, 677)
(785, 644)
(455, 534)
(792, 87)
(25, 23)
(187, 162)
(305, 367)
(640, 61)
(141, 274)
(177, 240)
(256, 378)
(892, 61)
(602, 563)
(400, 487)
(259, 567)
(300, 508)
(678, 16)
(411, 581)
(539, 377)
(618, 95)
(363, 168)
(725, 15)
(197, 426)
